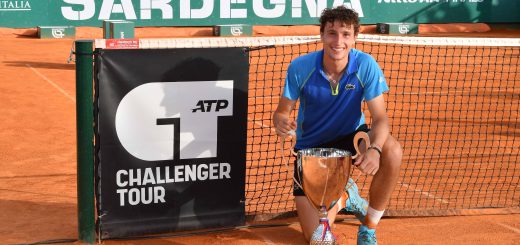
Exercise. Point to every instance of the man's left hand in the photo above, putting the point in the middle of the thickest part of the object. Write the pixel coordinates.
(368, 162)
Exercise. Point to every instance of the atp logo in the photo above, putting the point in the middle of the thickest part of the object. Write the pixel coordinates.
(58, 32)
(403, 29)
(207, 105)
(236, 30)
(173, 120)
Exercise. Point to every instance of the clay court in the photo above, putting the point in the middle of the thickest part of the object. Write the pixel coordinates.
(38, 155)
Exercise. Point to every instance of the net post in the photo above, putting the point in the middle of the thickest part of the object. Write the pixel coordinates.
(85, 140)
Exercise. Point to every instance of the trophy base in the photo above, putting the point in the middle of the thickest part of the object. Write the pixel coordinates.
(323, 234)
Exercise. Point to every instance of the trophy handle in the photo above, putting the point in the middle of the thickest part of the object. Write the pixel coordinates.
(292, 136)
(360, 135)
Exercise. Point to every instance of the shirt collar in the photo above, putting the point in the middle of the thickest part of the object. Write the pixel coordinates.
(352, 61)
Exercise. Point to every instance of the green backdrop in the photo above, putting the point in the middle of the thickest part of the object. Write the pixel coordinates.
(32, 13)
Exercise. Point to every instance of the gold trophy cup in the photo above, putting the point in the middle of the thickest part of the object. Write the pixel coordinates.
(324, 174)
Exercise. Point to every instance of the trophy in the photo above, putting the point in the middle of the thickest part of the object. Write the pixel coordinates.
(324, 174)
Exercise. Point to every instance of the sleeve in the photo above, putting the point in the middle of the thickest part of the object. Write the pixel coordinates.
(372, 77)
(291, 88)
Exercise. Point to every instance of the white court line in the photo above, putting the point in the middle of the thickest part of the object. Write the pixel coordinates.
(508, 227)
(52, 83)
(424, 193)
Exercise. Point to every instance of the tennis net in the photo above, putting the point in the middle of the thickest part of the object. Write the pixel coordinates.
(453, 105)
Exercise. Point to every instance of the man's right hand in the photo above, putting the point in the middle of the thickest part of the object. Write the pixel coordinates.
(282, 122)
(284, 126)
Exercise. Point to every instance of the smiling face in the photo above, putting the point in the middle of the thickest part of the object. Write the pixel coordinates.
(338, 38)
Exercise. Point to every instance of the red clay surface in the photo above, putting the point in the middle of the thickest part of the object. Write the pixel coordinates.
(38, 156)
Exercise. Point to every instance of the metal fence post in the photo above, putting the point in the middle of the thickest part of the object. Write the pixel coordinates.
(85, 140)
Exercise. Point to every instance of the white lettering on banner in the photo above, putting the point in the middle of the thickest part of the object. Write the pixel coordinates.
(21, 5)
(141, 135)
(204, 12)
(163, 5)
(138, 179)
(88, 10)
(412, 1)
(144, 195)
(178, 176)
(119, 181)
(125, 7)
(229, 9)
(353, 4)
(262, 12)
(180, 173)
(315, 7)
(226, 12)
(134, 179)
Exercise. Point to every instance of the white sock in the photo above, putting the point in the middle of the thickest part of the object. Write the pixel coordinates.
(373, 216)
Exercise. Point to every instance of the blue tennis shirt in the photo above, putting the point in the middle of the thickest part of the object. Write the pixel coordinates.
(323, 116)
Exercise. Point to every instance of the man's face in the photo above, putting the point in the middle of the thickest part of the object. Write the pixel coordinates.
(338, 39)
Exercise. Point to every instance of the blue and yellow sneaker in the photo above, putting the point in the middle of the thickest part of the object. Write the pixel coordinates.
(366, 236)
(355, 204)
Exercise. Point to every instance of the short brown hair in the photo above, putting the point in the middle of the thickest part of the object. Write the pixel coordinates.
(342, 14)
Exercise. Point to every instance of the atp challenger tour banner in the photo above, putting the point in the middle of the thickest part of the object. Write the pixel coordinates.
(32, 13)
(171, 129)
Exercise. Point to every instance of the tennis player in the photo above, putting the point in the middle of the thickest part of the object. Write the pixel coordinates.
(331, 85)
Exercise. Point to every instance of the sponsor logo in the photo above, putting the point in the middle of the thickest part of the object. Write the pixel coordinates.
(413, 1)
(207, 105)
(143, 185)
(236, 30)
(15, 5)
(122, 43)
(174, 121)
(428, 1)
(224, 9)
(58, 32)
(403, 28)
(350, 86)
(177, 120)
